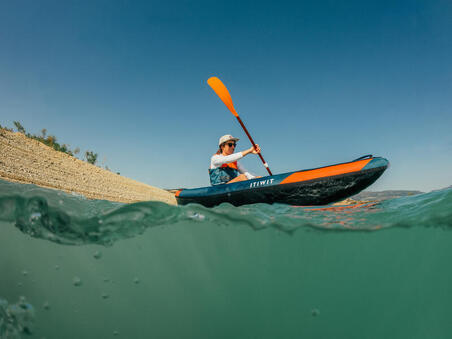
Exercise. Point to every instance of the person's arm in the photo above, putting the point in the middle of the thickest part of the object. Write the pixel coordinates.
(242, 170)
(252, 150)
(218, 159)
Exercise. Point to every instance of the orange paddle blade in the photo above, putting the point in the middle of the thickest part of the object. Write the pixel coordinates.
(223, 93)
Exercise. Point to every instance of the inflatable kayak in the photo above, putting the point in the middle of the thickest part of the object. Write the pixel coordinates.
(318, 186)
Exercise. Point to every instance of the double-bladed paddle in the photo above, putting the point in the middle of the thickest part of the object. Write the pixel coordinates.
(224, 95)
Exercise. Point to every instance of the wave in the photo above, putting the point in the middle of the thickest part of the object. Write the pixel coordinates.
(71, 219)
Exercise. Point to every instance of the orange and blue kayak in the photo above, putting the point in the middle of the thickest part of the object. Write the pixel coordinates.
(310, 187)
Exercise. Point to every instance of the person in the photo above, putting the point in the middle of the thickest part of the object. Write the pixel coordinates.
(224, 168)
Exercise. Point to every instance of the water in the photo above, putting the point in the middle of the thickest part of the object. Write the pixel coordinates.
(75, 268)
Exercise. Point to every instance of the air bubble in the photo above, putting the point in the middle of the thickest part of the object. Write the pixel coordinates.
(46, 305)
(315, 312)
(105, 296)
(115, 332)
(57, 267)
(97, 255)
(197, 216)
(35, 216)
(136, 280)
(77, 281)
(24, 272)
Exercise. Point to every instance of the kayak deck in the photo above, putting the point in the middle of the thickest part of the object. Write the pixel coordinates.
(319, 186)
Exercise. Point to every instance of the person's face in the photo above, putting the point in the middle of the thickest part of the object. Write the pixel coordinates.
(229, 147)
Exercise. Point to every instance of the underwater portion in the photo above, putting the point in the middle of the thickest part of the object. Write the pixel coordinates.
(77, 268)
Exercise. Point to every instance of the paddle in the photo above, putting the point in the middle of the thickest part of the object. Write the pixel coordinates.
(224, 95)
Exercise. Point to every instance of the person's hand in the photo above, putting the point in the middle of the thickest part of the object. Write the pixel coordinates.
(255, 150)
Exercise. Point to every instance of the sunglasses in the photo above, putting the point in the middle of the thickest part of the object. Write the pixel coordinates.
(231, 144)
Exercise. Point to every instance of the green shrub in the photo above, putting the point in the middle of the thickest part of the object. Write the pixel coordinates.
(19, 127)
(91, 157)
(51, 141)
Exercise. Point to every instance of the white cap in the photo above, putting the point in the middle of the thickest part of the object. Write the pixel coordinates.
(226, 138)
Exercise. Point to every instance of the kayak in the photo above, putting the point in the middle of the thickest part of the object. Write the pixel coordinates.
(318, 186)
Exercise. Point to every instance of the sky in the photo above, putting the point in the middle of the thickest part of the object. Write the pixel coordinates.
(315, 82)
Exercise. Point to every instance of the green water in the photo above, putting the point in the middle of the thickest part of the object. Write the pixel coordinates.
(87, 269)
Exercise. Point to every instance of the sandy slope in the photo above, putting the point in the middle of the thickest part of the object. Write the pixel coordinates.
(29, 161)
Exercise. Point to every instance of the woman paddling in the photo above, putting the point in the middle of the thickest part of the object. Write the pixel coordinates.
(224, 168)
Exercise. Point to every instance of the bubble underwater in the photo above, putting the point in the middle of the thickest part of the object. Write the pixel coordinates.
(72, 267)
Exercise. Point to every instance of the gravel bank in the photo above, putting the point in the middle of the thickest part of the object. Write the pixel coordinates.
(29, 161)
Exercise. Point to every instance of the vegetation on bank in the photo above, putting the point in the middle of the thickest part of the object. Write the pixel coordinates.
(51, 141)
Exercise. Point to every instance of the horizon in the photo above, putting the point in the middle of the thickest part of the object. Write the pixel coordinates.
(315, 84)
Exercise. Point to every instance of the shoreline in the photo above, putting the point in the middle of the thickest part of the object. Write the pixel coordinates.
(28, 161)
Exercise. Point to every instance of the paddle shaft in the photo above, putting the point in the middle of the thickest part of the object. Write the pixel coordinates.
(254, 145)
